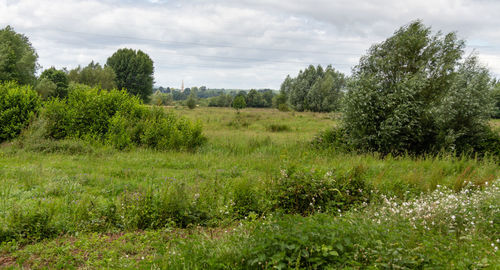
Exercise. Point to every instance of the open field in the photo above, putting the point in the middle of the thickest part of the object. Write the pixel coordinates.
(73, 204)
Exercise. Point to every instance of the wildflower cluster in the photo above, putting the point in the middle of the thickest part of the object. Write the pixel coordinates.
(472, 210)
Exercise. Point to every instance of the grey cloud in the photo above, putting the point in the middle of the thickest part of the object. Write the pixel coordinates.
(238, 44)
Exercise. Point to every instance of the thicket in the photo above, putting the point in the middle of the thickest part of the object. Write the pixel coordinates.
(18, 105)
(116, 118)
(416, 92)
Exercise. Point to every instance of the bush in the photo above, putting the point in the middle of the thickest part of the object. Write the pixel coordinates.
(161, 99)
(156, 129)
(415, 93)
(283, 107)
(308, 191)
(18, 105)
(191, 102)
(239, 103)
(331, 138)
(277, 128)
(30, 225)
(119, 119)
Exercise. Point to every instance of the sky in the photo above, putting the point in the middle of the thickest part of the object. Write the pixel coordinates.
(240, 44)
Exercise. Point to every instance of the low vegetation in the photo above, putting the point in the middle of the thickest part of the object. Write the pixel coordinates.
(108, 208)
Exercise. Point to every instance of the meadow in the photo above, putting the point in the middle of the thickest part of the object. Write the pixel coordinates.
(257, 195)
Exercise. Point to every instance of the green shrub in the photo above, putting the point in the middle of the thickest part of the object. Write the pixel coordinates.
(331, 138)
(301, 191)
(283, 107)
(86, 112)
(30, 225)
(156, 129)
(18, 105)
(191, 102)
(239, 103)
(277, 127)
(155, 209)
(119, 119)
(416, 93)
(245, 198)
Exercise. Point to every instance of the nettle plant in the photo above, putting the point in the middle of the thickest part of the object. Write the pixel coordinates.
(417, 92)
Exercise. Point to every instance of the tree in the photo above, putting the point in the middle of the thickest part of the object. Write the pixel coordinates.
(314, 89)
(18, 59)
(416, 93)
(59, 78)
(325, 93)
(191, 101)
(134, 72)
(239, 102)
(94, 75)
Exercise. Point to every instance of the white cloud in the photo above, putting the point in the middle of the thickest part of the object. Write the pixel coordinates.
(238, 44)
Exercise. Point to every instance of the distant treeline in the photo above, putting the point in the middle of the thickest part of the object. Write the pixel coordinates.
(262, 98)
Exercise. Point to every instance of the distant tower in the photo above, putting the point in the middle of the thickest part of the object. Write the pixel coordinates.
(182, 87)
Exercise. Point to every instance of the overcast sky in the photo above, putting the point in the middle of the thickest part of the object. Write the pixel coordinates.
(239, 44)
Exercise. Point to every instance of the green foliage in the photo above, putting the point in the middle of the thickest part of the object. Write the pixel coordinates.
(59, 78)
(118, 119)
(331, 138)
(94, 75)
(18, 105)
(18, 59)
(414, 93)
(161, 99)
(134, 72)
(86, 113)
(239, 102)
(314, 89)
(30, 225)
(278, 128)
(191, 101)
(304, 192)
(496, 100)
(45, 88)
(221, 101)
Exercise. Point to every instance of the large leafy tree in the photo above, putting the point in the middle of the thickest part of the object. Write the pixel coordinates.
(314, 89)
(416, 92)
(18, 59)
(134, 71)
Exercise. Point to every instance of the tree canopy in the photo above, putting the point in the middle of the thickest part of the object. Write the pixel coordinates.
(314, 89)
(416, 92)
(134, 71)
(94, 75)
(59, 78)
(18, 59)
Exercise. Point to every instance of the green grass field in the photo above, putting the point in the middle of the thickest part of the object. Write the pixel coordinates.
(73, 204)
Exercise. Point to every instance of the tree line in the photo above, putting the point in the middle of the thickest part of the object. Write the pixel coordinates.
(126, 69)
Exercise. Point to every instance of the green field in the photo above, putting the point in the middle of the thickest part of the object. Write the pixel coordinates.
(74, 204)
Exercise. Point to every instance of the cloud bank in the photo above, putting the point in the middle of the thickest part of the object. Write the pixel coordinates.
(239, 44)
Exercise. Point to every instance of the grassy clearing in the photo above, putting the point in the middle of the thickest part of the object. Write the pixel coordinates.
(93, 206)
